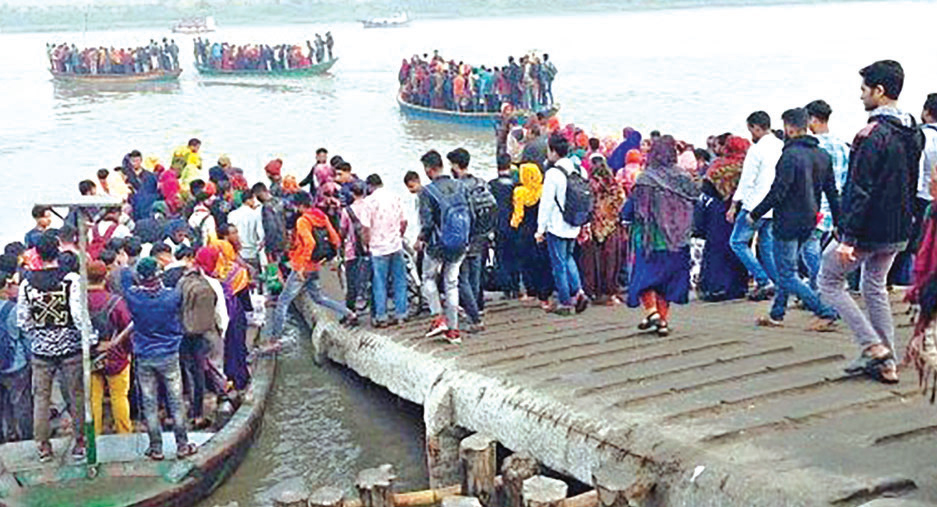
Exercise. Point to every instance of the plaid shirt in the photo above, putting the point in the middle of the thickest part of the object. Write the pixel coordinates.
(839, 153)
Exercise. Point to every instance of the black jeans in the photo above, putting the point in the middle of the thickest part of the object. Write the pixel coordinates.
(357, 272)
(507, 267)
(193, 355)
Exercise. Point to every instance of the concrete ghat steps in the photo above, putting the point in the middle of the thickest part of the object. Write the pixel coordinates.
(767, 415)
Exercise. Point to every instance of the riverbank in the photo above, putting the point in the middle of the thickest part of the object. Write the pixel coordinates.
(719, 413)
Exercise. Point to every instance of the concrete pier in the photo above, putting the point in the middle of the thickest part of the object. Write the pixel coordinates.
(719, 413)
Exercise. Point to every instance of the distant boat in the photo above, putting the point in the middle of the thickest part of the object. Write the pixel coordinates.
(485, 120)
(195, 25)
(140, 77)
(398, 20)
(312, 70)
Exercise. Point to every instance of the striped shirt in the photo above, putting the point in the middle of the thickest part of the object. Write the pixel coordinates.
(839, 154)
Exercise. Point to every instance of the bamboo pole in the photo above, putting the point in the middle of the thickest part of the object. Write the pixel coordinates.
(90, 444)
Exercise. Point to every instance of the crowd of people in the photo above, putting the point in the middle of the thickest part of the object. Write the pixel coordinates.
(525, 84)
(65, 58)
(263, 57)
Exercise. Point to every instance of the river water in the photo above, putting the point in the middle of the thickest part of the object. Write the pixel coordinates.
(691, 72)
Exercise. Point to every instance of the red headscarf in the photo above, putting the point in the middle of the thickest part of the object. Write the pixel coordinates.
(273, 167)
(725, 171)
(169, 188)
(207, 258)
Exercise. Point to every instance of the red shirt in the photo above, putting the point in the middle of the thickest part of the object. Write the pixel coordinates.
(117, 357)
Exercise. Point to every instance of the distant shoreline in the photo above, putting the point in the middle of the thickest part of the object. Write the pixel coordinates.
(115, 17)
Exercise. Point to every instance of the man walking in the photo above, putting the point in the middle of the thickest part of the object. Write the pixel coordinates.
(559, 234)
(384, 225)
(877, 217)
(757, 177)
(803, 172)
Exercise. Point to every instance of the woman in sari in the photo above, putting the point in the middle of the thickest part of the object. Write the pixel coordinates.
(722, 275)
(534, 258)
(602, 249)
(661, 213)
(235, 278)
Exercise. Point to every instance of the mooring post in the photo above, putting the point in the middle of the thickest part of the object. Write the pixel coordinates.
(376, 486)
(478, 457)
(327, 496)
(540, 491)
(291, 493)
(460, 501)
(617, 487)
(516, 469)
(442, 437)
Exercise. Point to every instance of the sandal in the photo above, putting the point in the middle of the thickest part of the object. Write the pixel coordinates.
(186, 450)
(154, 455)
(662, 329)
(652, 320)
(45, 452)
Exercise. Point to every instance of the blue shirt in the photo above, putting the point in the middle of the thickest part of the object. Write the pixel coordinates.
(20, 342)
(839, 154)
(157, 318)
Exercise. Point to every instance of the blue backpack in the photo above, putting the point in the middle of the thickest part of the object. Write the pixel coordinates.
(455, 219)
(7, 346)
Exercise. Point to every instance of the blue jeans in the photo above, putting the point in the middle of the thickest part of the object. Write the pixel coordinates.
(151, 372)
(811, 255)
(786, 254)
(292, 288)
(470, 276)
(742, 236)
(381, 267)
(565, 270)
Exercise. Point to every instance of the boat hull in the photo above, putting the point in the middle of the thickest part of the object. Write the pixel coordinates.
(313, 70)
(373, 24)
(146, 77)
(480, 120)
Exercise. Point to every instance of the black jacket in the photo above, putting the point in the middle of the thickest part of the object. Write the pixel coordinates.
(502, 188)
(430, 214)
(882, 182)
(804, 171)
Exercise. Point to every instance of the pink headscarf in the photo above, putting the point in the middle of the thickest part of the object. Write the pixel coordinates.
(169, 188)
(207, 258)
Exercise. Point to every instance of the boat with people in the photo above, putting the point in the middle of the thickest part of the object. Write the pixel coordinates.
(398, 20)
(152, 76)
(311, 70)
(194, 25)
(476, 119)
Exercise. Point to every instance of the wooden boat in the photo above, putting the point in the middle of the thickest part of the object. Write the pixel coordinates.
(194, 25)
(319, 68)
(398, 20)
(124, 477)
(143, 77)
(486, 120)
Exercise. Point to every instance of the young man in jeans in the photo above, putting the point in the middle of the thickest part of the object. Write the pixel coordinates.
(157, 333)
(439, 259)
(48, 311)
(560, 235)
(471, 295)
(384, 225)
(877, 218)
(804, 171)
(16, 387)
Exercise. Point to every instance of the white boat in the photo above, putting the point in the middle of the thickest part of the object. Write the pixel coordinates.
(195, 25)
(399, 19)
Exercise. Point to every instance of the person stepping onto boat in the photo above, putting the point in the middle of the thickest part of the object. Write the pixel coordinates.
(157, 319)
(48, 311)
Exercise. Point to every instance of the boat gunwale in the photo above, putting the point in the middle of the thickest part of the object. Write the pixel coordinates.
(313, 70)
(142, 77)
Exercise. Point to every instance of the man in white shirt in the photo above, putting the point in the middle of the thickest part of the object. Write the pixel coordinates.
(560, 235)
(757, 177)
(384, 224)
(248, 219)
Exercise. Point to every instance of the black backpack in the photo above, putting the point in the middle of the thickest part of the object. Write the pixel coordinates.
(101, 320)
(484, 207)
(579, 199)
(324, 250)
(358, 232)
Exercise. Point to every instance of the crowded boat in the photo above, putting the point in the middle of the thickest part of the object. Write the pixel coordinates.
(101, 61)
(263, 57)
(433, 82)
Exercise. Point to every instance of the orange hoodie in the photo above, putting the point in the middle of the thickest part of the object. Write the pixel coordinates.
(304, 242)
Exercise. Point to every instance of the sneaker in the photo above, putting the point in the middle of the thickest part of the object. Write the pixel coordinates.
(45, 452)
(439, 327)
(154, 454)
(350, 321)
(452, 336)
(763, 293)
(380, 324)
(186, 450)
(582, 302)
(769, 322)
(476, 328)
(563, 311)
(79, 453)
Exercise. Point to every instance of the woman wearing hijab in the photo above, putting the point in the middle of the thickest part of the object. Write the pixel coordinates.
(722, 275)
(235, 278)
(661, 213)
(632, 140)
(602, 251)
(329, 201)
(634, 164)
(170, 189)
(533, 256)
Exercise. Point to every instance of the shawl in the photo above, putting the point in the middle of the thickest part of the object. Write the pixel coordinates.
(724, 173)
(527, 192)
(228, 269)
(633, 167)
(609, 199)
(632, 141)
(921, 352)
(664, 196)
(925, 262)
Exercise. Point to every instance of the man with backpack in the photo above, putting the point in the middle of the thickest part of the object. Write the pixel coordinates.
(110, 318)
(315, 241)
(445, 228)
(484, 211)
(384, 225)
(357, 258)
(565, 205)
(16, 392)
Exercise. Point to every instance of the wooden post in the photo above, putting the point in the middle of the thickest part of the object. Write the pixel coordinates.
(460, 501)
(478, 458)
(540, 491)
(327, 496)
(618, 488)
(516, 469)
(376, 486)
(291, 495)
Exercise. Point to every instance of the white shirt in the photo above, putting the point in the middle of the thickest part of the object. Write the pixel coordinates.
(249, 223)
(383, 216)
(550, 217)
(928, 160)
(758, 172)
(121, 232)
